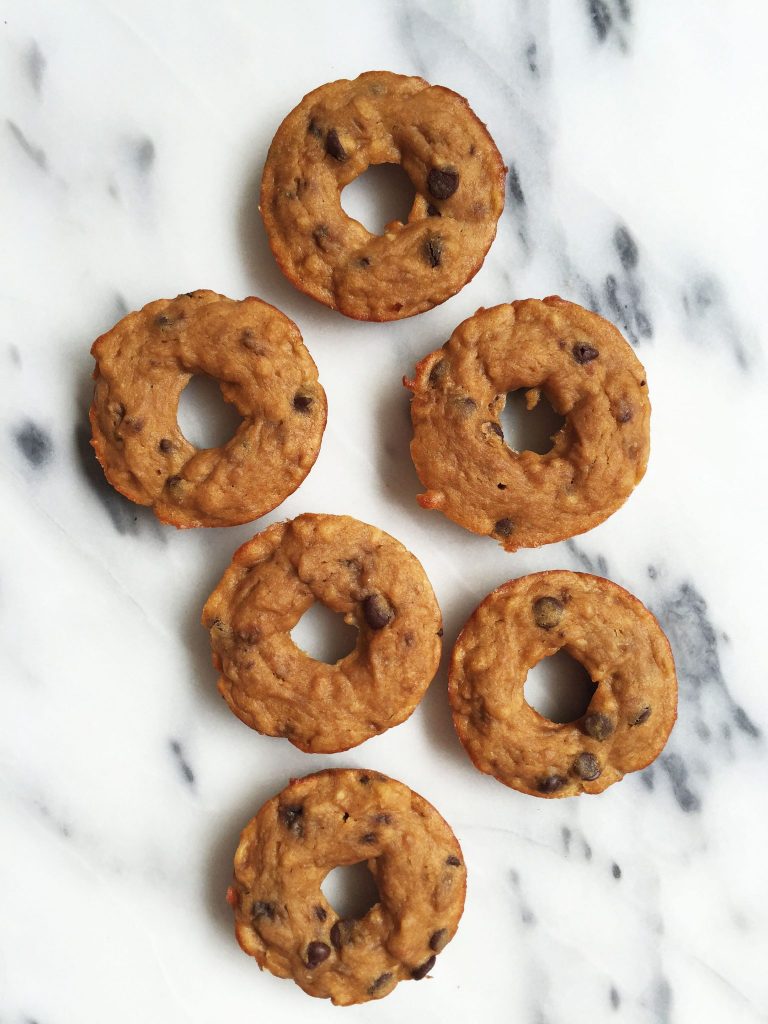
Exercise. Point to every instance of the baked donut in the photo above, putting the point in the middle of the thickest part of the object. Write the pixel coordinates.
(335, 134)
(258, 357)
(614, 637)
(346, 816)
(591, 377)
(354, 569)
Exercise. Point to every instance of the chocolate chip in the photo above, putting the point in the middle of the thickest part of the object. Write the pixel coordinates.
(369, 839)
(316, 953)
(314, 128)
(421, 972)
(364, 779)
(584, 353)
(320, 913)
(465, 405)
(494, 428)
(433, 250)
(502, 487)
(320, 234)
(504, 527)
(547, 612)
(377, 610)
(345, 817)
(249, 636)
(438, 940)
(643, 716)
(432, 211)
(301, 403)
(341, 932)
(174, 482)
(262, 909)
(442, 182)
(587, 767)
(380, 982)
(440, 631)
(135, 424)
(165, 445)
(163, 320)
(623, 412)
(437, 372)
(454, 862)
(363, 262)
(383, 819)
(118, 411)
(551, 783)
(291, 816)
(598, 726)
(333, 146)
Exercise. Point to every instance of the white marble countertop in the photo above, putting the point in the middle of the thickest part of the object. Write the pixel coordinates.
(131, 146)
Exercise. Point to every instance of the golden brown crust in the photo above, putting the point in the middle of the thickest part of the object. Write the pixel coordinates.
(335, 817)
(615, 638)
(334, 135)
(263, 368)
(355, 570)
(592, 378)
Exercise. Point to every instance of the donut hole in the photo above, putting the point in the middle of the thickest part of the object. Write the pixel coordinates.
(324, 635)
(378, 196)
(529, 430)
(351, 890)
(559, 688)
(204, 417)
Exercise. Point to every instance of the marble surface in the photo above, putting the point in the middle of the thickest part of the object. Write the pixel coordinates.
(131, 146)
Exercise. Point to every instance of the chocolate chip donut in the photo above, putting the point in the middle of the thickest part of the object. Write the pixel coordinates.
(618, 642)
(355, 570)
(339, 817)
(590, 375)
(258, 357)
(335, 134)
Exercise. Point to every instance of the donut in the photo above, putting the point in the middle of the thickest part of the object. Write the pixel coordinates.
(355, 570)
(258, 357)
(591, 377)
(621, 646)
(335, 817)
(335, 134)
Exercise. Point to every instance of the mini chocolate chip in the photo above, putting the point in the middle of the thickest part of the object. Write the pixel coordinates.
(421, 972)
(174, 482)
(301, 403)
(314, 128)
(291, 816)
(316, 953)
(454, 862)
(623, 412)
(442, 182)
(165, 445)
(598, 726)
(369, 839)
(341, 932)
(320, 913)
(584, 353)
(644, 715)
(587, 767)
(119, 412)
(135, 424)
(504, 527)
(494, 428)
(502, 487)
(383, 819)
(432, 211)
(364, 779)
(438, 940)
(464, 404)
(380, 982)
(262, 909)
(363, 262)
(320, 234)
(440, 631)
(377, 610)
(437, 372)
(345, 817)
(551, 783)
(333, 146)
(163, 320)
(547, 612)
(433, 250)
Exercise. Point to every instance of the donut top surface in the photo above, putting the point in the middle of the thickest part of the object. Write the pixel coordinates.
(263, 368)
(615, 638)
(335, 134)
(591, 377)
(357, 571)
(336, 817)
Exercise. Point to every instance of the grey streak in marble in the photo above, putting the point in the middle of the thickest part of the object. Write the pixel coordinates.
(35, 66)
(710, 320)
(615, 870)
(182, 763)
(598, 565)
(514, 187)
(14, 354)
(144, 154)
(600, 18)
(121, 512)
(527, 916)
(662, 1000)
(35, 153)
(121, 306)
(34, 443)
(677, 772)
(532, 58)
